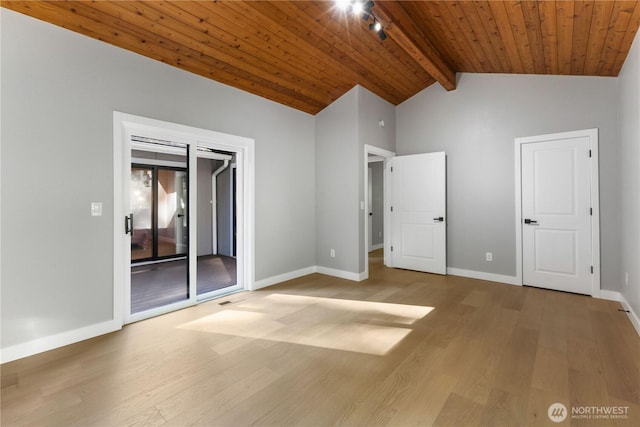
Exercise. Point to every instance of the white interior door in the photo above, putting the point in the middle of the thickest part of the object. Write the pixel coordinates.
(556, 214)
(418, 213)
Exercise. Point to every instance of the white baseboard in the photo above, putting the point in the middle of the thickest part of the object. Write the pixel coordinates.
(491, 277)
(51, 342)
(610, 295)
(269, 281)
(617, 296)
(376, 247)
(356, 277)
(283, 277)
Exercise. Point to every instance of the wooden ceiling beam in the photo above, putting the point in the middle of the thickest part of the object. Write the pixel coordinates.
(400, 26)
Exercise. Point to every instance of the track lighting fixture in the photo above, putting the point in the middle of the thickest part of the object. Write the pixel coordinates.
(364, 9)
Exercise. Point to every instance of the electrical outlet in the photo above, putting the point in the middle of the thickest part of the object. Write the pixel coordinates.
(489, 256)
(332, 253)
(379, 233)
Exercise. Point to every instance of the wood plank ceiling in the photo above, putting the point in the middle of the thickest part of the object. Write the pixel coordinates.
(306, 54)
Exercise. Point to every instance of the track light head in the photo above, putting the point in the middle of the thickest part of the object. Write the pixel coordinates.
(366, 10)
(382, 35)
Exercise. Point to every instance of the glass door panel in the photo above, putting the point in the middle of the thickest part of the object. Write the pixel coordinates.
(160, 239)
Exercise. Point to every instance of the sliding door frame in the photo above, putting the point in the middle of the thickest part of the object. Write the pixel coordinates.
(126, 126)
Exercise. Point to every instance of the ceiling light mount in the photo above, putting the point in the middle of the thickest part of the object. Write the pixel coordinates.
(363, 9)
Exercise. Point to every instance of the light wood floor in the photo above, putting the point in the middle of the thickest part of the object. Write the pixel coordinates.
(400, 349)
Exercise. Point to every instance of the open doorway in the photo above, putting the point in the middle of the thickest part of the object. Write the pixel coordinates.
(376, 232)
(375, 192)
(217, 219)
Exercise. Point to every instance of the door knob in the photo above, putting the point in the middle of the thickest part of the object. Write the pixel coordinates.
(530, 221)
(439, 219)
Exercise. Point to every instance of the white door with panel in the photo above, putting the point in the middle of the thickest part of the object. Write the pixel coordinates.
(557, 214)
(418, 212)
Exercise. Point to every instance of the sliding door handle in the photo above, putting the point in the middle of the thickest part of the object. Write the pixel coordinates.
(128, 224)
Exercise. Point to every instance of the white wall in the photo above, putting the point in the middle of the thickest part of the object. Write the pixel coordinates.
(629, 95)
(59, 91)
(476, 125)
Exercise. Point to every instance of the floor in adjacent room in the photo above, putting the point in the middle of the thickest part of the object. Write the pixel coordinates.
(155, 285)
(401, 348)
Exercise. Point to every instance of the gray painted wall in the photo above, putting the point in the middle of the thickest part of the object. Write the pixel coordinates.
(377, 202)
(337, 200)
(476, 125)
(629, 91)
(342, 130)
(59, 91)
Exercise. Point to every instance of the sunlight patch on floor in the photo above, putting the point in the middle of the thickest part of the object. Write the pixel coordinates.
(375, 311)
(337, 324)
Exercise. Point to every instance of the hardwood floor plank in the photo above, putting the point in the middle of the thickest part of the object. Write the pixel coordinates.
(459, 411)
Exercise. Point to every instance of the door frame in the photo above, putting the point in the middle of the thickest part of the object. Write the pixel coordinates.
(592, 134)
(385, 155)
(392, 259)
(124, 126)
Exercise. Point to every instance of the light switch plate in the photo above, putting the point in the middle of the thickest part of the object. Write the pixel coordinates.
(96, 208)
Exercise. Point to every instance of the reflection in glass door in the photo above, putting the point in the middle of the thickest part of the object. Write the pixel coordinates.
(171, 213)
(160, 238)
(159, 208)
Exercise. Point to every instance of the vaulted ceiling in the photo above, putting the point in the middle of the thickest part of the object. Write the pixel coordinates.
(306, 54)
